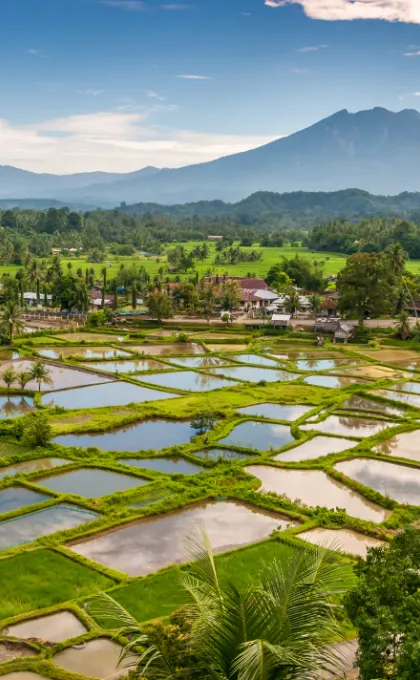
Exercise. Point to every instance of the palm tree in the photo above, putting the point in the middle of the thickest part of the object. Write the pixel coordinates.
(36, 275)
(23, 378)
(40, 373)
(278, 627)
(55, 269)
(104, 275)
(11, 319)
(292, 301)
(403, 327)
(8, 377)
(315, 302)
(397, 258)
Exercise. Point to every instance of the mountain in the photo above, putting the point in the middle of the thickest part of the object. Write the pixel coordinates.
(375, 150)
(350, 204)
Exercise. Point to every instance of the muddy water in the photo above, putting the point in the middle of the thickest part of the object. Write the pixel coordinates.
(107, 394)
(18, 497)
(8, 355)
(261, 436)
(225, 348)
(251, 374)
(98, 659)
(329, 381)
(84, 352)
(170, 349)
(314, 448)
(188, 380)
(153, 434)
(313, 488)
(364, 404)
(390, 356)
(404, 445)
(150, 544)
(91, 483)
(275, 411)
(349, 426)
(29, 527)
(53, 628)
(342, 539)
(90, 337)
(400, 483)
(15, 406)
(39, 464)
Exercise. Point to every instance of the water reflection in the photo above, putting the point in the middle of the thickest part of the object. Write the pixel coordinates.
(404, 445)
(349, 425)
(84, 352)
(32, 466)
(315, 448)
(396, 481)
(251, 374)
(13, 407)
(363, 404)
(341, 539)
(89, 482)
(108, 394)
(275, 411)
(262, 436)
(188, 380)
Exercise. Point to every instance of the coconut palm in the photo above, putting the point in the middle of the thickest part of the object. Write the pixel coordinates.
(8, 377)
(40, 373)
(11, 319)
(23, 378)
(403, 327)
(35, 274)
(278, 627)
(315, 302)
(292, 301)
(104, 276)
(397, 258)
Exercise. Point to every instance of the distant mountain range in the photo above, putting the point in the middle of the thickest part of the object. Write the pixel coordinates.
(376, 150)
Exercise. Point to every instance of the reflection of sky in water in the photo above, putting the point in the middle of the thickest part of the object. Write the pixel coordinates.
(108, 394)
(90, 483)
(187, 380)
(17, 497)
(396, 481)
(251, 374)
(275, 411)
(405, 445)
(154, 434)
(48, 521)
(32, 466)
(347, 425)
(262, 436)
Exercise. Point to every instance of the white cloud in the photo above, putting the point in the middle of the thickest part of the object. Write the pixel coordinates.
(94, 93)
(416, 53)
(311, 48)
(194, 77)
(407, 11)
(154, 95)
(129, 5)
(113, 141)
(32, 51)
(174, 7)
(413, 94)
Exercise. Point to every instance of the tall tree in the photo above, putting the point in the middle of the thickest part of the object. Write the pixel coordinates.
(397, 257)
(231, 295)
(292, 301)
(366, 286)
(104, 281)
(315, 302)
(159, 306)
(11, 319)
(35, 274)
(403, 327)
(40, 373)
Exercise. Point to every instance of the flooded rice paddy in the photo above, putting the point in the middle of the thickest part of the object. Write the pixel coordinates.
(314, 488)
(16, 498)
(90, 482)
(169, 349)
(98, 659)
(333, 381)
(349, 426)
(15, 406)
(275, 411)
(342, 539)
(404, 445)
(169, 466)
(225, 348)
(83, 352)
(357, 403)
(256, 359)
(403, 397)
(314, 448)
(390, 356)
(400, 483)
(261, 436)
(61, 377)
(107, 394)
(412, 387)
(205, 362)
(323, 364)
(133, 366)
(188, 381)
(152, 434)
(221, 454)
(253, 374)
(53, 627)
(8, 354)
(148, 545)
(27, 528)
(37, 465)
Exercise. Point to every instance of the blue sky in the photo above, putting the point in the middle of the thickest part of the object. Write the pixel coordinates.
(119, 84)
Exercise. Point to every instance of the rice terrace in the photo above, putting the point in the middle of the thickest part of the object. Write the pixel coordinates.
(150, 433)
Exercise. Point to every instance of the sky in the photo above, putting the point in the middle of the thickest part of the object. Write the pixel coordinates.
(116, 85)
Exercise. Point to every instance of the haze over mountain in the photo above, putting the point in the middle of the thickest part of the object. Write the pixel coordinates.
(375, 150)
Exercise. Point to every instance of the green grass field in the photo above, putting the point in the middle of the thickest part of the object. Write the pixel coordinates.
(332, 262)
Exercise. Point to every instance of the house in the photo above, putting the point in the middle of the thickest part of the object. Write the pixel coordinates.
(280, 320)
(30, 299)
(413, 307)
(341, 330)
(95, 300)
(215, 238)
(256, 298)
(279, 305)
(329, 305)
(55, 251)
